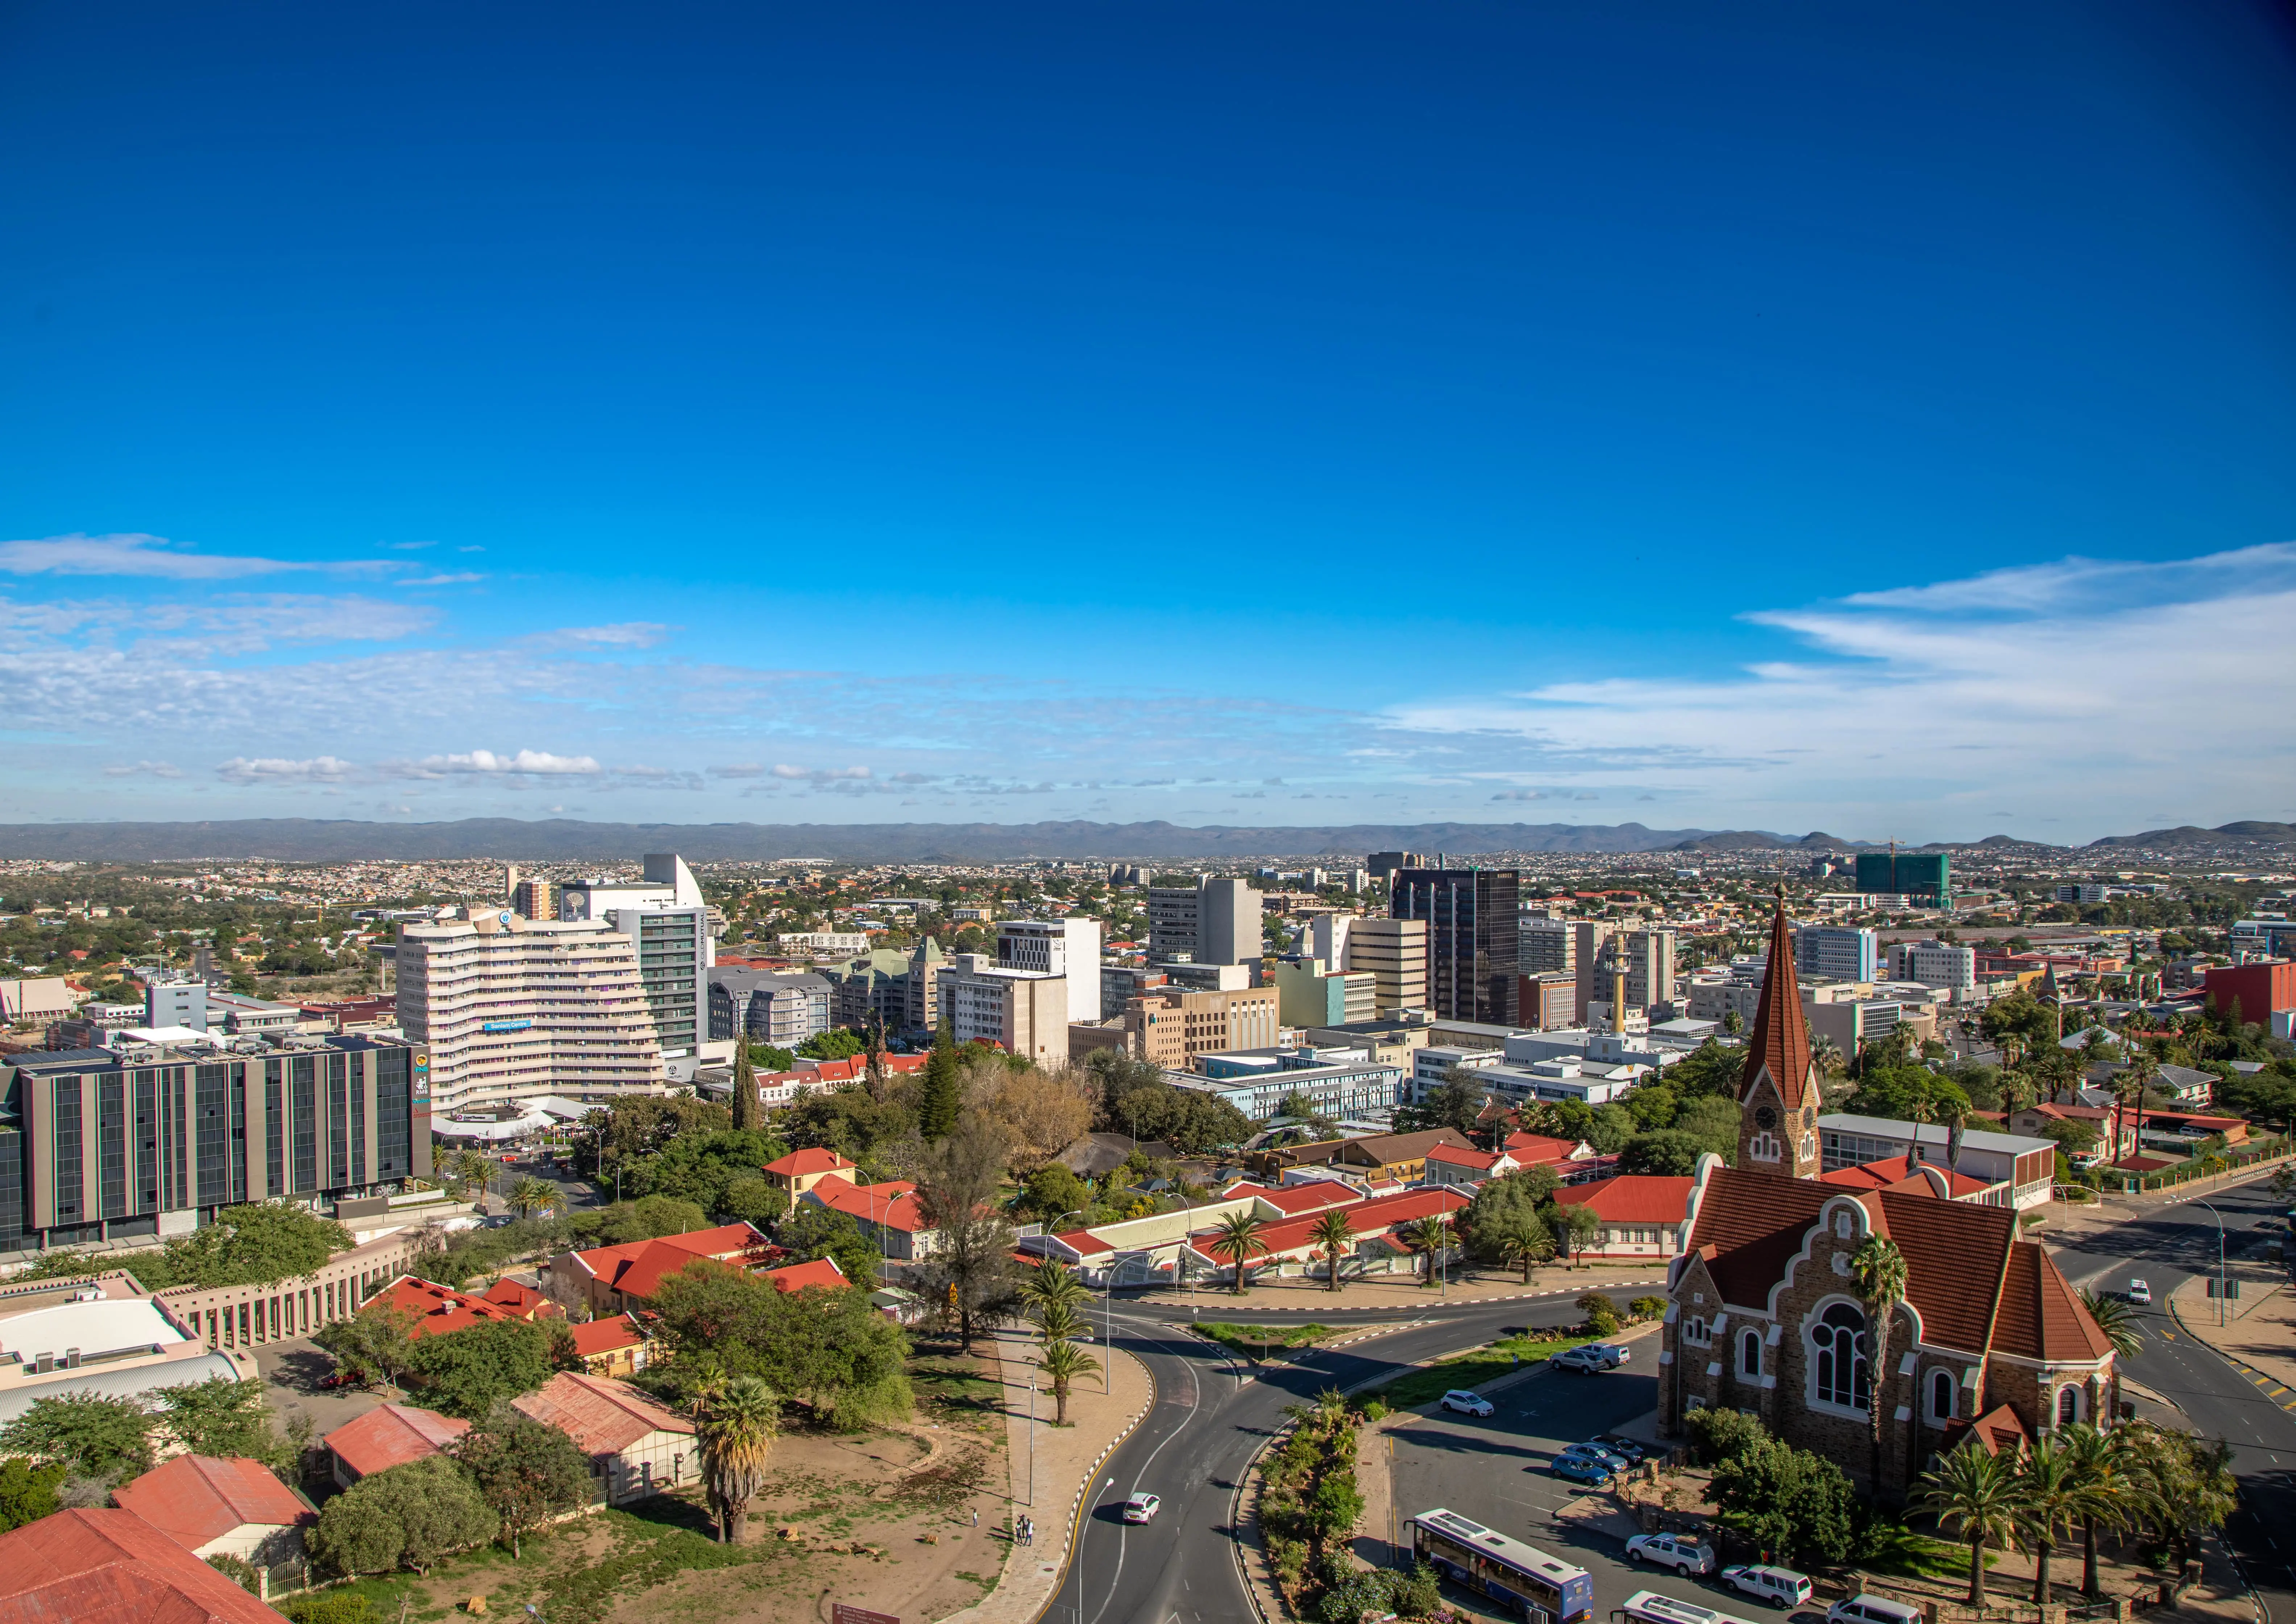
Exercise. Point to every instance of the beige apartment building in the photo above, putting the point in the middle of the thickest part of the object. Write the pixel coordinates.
(1022, 1012)
(1166, 1026)
(1394, 951)
(509, 1007)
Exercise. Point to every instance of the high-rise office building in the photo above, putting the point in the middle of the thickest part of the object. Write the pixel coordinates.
(1836, 953)
(535, 898)
(1383, 864)
(1217, 922)
(1475, 931)
(782, 1008)
(1548, 944)
(1647, 957)
(1924, 876)
(1394, 953)
(508, 1007)
(1589, 937)
(1066, 947)
(105, 1146)
(1022, 1012)
(665, 915)
(1945, 965)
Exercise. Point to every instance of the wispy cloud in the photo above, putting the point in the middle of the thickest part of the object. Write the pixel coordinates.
(145, 769)
(628, 635)
(524, 763)
(153, 557)
(454, 577)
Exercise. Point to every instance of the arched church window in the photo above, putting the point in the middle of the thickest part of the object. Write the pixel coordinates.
(1941, 1395)
(2069, 1406)
(1838, 1344)
(1750, 1355)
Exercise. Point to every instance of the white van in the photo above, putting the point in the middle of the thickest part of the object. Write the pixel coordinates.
(1779, 1587)
(1872, 1609)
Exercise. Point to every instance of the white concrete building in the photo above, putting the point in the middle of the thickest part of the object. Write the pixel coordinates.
(508, 1007)
(1949, 968)
(665, 917)
(1024, 1012)
(1069, 948)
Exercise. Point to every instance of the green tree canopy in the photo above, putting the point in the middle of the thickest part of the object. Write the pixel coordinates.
(699, 1168)
(811, 1232)
(1053, 1190)
(1909, 1094)
(1666, 1152)
(1713, 1122)
(374, 1344)
(222, 1417)
(1791, 1501)
(829, 1349)
(835, 1044)
(28, 1491)
(409, 1516)
(1500, 1205)
(467, 1372)
(647, 1218)
(526, 1472)
(1709, 1068)
(1456, 1102)
(108, 1440)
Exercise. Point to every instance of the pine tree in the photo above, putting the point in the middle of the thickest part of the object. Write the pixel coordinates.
(938, 1099)
(746, 1108)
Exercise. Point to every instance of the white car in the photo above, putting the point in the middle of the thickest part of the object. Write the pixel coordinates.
(1679, 1552)
(2139, 1291)
(1614, 1354)
(1586, 1361)
(1142, 1508)
(1466, 1403)
(1779, 1587)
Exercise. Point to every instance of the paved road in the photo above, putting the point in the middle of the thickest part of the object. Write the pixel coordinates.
(2167, 1247)
(1195, 1444)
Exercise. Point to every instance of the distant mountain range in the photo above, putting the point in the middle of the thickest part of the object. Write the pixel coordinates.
(567, 840)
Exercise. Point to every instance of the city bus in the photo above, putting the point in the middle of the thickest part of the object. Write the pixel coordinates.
(1519, 1577)
(1649, 1607)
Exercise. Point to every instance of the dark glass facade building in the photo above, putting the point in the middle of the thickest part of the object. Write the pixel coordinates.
(1925, 876)
(96, 1144)
(1474, 938)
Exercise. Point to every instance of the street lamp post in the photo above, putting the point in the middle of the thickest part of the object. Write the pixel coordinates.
(1032, 1443)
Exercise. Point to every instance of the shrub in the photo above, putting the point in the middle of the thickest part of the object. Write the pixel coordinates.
(237, 1571)
(340, 1607)
(1718, 1435)
(1601, 1314)
(1791, 1503)
(1647, 1308)
(406, 1517)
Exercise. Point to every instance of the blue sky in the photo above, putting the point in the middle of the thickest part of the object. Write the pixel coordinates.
(1782, 415)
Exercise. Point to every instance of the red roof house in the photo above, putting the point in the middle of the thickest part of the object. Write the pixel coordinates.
(636, 1445)
(614, 1346)
(610, 1279)
(822, 1272)
(88, 1566)
(390, 1435)
(1449, 1164)
(227, 1507)
(890, 1212)
(1646, 1219)
(801, 1170)
(440, 1310)
(1927, 1179)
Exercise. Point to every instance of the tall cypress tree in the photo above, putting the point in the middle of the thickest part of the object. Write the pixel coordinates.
(747, 1112)
(938, 1099)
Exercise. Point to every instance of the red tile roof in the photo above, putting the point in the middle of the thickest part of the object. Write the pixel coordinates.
(440, 1311)
(1755, 1222)
(1451, 1155)
(1634, 1198)
(1893, 1173)
(2040, 1317)
(821, 1272)
(637, 1269)
(811, 1159)
(1293, 1200)
(89, 1566)
(1954, 1252)
(891, 1205)
(521, 1299)
(1779, 1043)
(1531, 1150)
(391, 1435)
(196, 1498)
(602, 1417)
(599, 1336)
(1997, 1430)
(1371, 1219)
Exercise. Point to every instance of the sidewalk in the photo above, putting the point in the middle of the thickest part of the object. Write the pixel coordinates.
(1403, 1291)
(2260, 1334)
(1066, 1457)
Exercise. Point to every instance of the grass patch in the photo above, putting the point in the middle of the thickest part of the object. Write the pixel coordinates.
(1906, 1555)
(1231, 1336)
(1471, 1369)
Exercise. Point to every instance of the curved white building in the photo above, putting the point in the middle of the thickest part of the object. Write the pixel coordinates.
(510, 1007)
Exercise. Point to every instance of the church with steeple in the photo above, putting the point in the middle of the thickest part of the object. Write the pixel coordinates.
(1767, 1312)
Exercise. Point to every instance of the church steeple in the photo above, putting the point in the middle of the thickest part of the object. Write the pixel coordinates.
(1777, 1091)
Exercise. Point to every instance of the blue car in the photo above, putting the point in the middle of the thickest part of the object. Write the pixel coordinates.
(1580, 1469)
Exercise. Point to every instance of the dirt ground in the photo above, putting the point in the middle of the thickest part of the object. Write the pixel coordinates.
(906, 1497)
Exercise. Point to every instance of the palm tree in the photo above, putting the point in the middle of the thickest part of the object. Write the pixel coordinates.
(2117, 1320)
(1879, 1268)
(1523, 1238)
(1237, 1238)
(1050, 1283)
(737, 1439)
(1336, 1234)
(1973, 1494)
(1059, 1322)
(2050, 1497)
(531, 1195)
(2114, 1490)
(1062, 1362)
(1827, 1054)
(1428, 1236)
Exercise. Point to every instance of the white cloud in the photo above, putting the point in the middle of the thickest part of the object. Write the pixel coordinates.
(273, 769)
(524, 763)
(408, 547)
(628, 635)
(819, 775)
(453, 579)
(138, 555)
(150, 769)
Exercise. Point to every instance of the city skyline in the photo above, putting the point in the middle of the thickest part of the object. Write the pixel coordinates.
(1301, 417)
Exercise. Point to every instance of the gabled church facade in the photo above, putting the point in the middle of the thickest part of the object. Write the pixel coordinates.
(1764, 1313)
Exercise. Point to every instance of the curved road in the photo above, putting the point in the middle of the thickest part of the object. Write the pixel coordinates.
(1210, 1417)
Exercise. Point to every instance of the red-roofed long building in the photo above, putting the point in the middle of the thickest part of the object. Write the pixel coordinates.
(1991, 1342)
(221, 1506)
(111, 1567)
(606, 1280)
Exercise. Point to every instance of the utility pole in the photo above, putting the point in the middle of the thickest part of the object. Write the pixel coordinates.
(2221, 1320)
